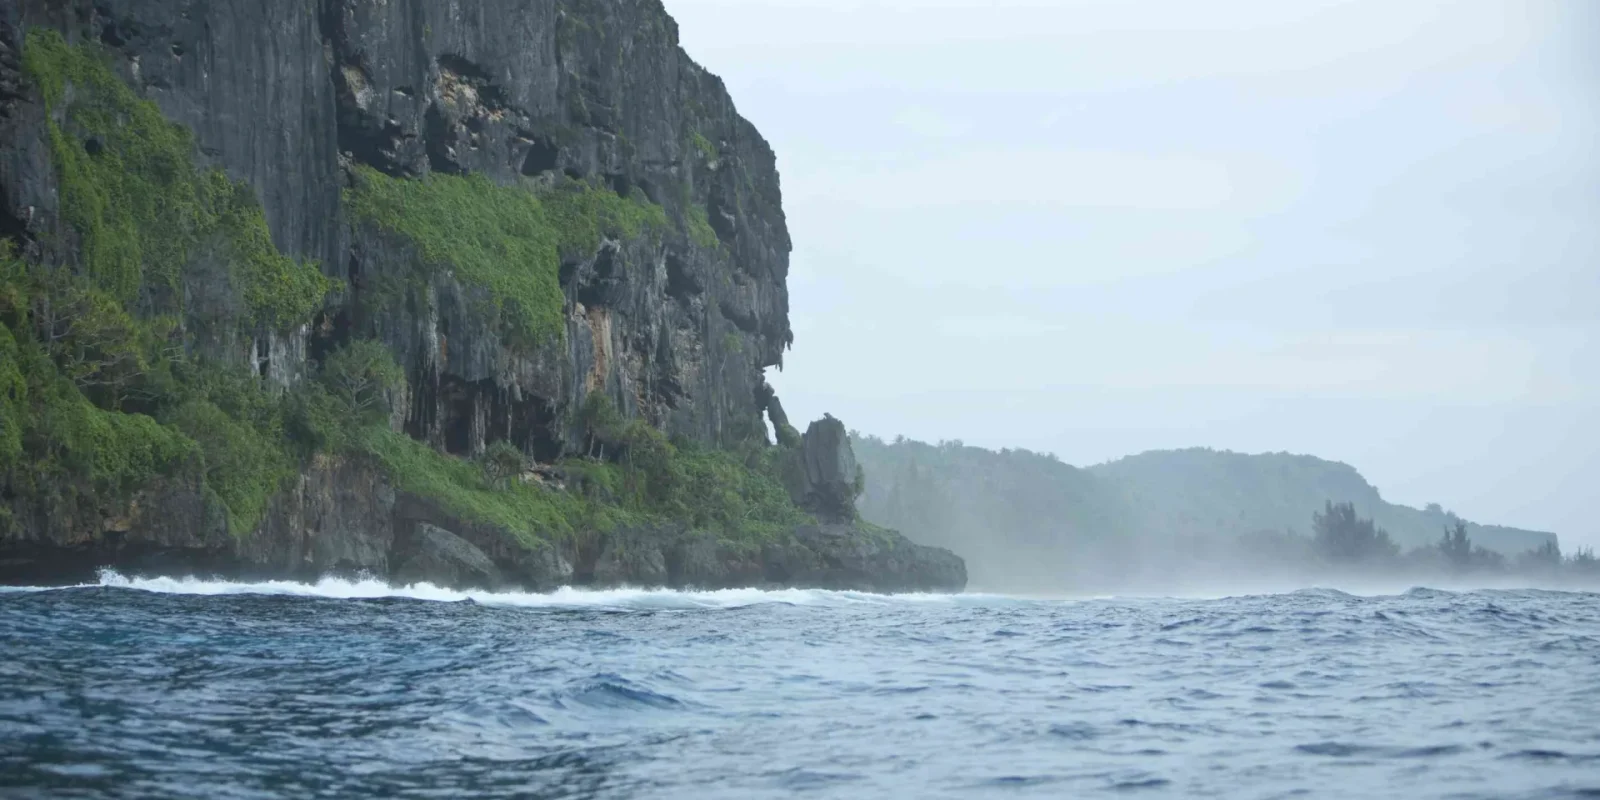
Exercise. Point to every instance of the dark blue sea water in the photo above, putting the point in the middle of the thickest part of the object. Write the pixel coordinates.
(353, 690)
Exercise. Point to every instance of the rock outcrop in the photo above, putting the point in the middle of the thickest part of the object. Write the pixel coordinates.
(440, 556)
(830, 479)
(663, 291)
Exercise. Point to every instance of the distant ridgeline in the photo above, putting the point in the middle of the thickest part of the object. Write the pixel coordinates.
(1208, 492)
(1022, 517)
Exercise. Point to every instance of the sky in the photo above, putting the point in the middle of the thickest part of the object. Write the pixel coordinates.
(1363, 230)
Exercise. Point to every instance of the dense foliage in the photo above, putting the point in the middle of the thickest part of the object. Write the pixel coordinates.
(101, 394)
(131, 191)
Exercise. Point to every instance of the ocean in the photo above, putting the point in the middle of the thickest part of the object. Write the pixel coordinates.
(351, 689)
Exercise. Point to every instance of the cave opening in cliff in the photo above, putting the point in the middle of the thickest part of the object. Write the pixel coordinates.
(620, 183)
(533, 423)
(457, 399)
(329, 332)
(542, 156)
(352, 268)
(110, 34)
(13, 228)
(507, 415)
(681, 285)
(651, 193)
(602, 282)
(440, 140)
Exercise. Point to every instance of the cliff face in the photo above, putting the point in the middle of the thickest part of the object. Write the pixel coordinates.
(539, 210)
(290, 97)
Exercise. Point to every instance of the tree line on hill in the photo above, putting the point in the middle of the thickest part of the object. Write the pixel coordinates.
(1342, 538)
(1191, 520)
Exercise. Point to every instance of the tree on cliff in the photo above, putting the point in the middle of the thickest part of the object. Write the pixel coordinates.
(1546, 558)
(361, 374)
(1456, 546)
(1342, 536)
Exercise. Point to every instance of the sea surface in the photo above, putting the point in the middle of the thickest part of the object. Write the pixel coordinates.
(160, 688)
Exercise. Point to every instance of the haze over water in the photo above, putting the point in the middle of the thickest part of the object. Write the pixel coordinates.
(188, 689)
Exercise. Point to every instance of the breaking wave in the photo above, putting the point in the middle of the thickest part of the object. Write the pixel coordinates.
(370, 588)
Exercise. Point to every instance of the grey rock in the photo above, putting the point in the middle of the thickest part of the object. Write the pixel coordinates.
(632, 557)
(831, 475)
(702, 561)
(441, 557)
(539, 567)
(862, 557)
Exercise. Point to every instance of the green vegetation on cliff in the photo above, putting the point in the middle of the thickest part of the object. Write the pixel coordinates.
(635, 477)
(100, 398)
(141, 208)
(96, 405)
(531, 512)
(700, 230)
(506, 240)
(49, 430)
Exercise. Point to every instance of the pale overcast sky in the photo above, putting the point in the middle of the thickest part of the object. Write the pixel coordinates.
(1361, 230)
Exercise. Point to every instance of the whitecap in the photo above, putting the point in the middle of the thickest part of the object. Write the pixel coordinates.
(632, 599)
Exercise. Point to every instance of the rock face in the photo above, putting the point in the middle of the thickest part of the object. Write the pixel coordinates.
(831, 479)
(290, 99)
(298, 101)
(441, 556)
(856, 557)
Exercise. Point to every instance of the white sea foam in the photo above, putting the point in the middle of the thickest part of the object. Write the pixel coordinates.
(623, 599)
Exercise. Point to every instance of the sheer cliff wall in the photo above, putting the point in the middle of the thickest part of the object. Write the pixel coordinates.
(473, 292)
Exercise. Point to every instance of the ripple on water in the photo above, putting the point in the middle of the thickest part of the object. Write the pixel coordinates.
(614, 692)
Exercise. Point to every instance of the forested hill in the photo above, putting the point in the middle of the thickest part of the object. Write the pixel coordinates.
(1220, 493)
(1022, 518)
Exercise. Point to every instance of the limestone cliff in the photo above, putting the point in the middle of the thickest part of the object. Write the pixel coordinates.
(550, 218)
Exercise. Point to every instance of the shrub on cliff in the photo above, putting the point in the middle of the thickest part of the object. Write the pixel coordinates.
(362, 374)
(502, 462)
(738, 495)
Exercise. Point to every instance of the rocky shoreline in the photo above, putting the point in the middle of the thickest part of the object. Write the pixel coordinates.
(411, 547)
(345, 519)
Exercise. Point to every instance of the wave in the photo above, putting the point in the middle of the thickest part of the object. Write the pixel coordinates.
(626, 599)
(636, 599)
